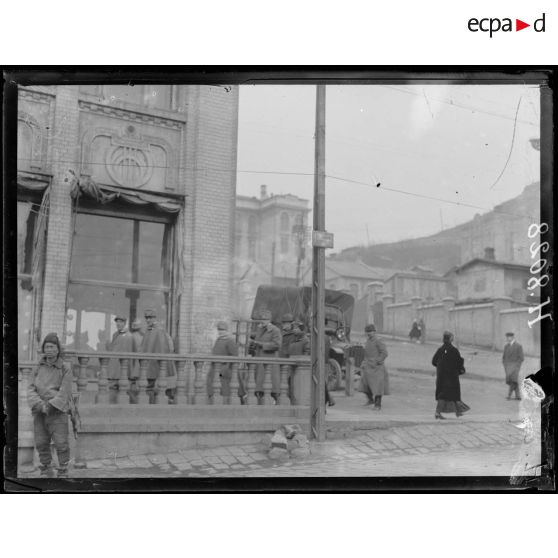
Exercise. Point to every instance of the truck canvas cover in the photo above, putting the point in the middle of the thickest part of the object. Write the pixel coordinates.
(298, 302)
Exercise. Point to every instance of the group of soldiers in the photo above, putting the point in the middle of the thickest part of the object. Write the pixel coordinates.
(268, 341)
(153, 340)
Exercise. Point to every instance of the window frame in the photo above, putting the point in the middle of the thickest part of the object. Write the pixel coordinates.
(37, 278)
(168, 291)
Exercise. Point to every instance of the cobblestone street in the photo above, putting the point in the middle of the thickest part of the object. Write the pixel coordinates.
(440, 449)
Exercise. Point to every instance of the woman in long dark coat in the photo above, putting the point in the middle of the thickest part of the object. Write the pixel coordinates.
(449, 365)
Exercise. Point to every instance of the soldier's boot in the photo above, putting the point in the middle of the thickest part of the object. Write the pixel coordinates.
(260, 397)
(46, 471)
(378, 403)
(63, 472)
(510, 391)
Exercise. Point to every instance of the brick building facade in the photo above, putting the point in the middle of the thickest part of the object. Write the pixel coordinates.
(126, 200)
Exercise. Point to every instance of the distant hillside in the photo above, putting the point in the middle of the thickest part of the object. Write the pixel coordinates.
(441, 251)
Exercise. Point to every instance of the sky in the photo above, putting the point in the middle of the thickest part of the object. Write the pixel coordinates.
(466, 144)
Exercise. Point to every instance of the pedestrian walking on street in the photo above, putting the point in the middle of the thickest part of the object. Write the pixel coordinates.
(48, 395)
(157, 340)
(123, 342)
(266, 343)
(414, 334)
(512, 360)
(374, 378)
(449, 366)
(224, 346)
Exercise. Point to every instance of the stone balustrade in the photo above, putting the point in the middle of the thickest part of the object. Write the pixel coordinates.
(188, 385)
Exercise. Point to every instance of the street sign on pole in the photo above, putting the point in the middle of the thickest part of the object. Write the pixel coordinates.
(320, 241)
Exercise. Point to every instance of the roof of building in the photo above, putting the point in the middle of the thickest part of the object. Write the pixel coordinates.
(281, 270)
(274, 200)
(484, 261)
(422, 269)
(429, 276)
(357, 270)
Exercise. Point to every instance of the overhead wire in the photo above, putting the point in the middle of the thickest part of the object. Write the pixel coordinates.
(511, 146)
(455, 104)
(389, 189)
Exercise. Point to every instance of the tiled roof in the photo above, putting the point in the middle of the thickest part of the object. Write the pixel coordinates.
(357, 270)
(495, 263)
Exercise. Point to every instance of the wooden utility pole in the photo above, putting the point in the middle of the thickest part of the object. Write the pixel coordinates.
(317, 408)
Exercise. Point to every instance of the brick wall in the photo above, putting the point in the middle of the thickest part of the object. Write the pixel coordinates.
(64, 156)
(209, 216)
(208, 173)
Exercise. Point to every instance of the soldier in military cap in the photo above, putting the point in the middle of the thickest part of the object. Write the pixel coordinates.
(157, 340)
(122, 342)
(287, 334)
(225, 345)
(266, 343)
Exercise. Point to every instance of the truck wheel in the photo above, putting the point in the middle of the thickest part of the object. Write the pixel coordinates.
(333, 375)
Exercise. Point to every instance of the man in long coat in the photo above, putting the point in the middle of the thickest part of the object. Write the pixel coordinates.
(266, 343)
(225, 345)
(374, 378)
(512, 359)
(287, 334)
(157, 340)
(122, 342)
(449, 366)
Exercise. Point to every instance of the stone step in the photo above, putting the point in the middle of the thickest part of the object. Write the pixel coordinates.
(98, 425)
(195, 412)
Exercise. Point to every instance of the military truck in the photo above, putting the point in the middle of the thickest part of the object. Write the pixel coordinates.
(298, 302)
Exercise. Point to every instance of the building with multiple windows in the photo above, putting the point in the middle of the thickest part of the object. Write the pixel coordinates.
(417, 282)
(487, 278)
(126, 200)
(271, 244)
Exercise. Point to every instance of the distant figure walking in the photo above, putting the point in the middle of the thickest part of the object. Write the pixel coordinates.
(414, 334)
(374, 378)
(449, 366)
(512, 359)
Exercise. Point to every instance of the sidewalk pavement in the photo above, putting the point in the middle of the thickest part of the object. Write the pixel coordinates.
(444, 448)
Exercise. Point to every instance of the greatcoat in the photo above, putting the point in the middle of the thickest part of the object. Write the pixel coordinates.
(374, 372)
(122, 342)
(157, 340)
(512, 359)
(449, 363)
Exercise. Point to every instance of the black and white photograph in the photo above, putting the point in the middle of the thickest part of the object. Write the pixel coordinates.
(280, 275)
